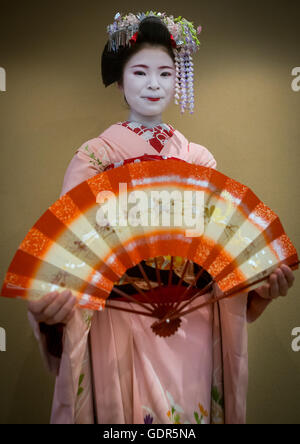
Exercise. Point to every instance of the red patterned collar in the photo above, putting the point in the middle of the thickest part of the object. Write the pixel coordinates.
(157, 135)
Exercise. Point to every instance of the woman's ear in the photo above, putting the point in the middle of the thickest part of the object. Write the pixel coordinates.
(120, 86)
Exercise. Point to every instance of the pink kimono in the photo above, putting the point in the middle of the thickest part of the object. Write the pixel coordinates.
(114, 370)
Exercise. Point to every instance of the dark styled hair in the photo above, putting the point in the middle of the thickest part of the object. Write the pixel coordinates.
(152, 31)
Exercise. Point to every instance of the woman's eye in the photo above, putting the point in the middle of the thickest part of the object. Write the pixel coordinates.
(164, 74)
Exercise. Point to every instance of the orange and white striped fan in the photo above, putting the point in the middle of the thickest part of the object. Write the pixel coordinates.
(92, 236)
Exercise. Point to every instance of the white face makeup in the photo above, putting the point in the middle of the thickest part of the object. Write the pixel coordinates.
(149, 74)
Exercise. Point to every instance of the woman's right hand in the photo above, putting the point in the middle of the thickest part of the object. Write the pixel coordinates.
(54, 307)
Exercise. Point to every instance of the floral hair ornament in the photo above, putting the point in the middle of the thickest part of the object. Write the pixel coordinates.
(124, 31)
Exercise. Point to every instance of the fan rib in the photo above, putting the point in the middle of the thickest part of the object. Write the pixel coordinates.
(157, 273)
(145, 276)
(188, 288)
(197, 295)
(171, 271)
(129, 310)
(144, 295)
(183, 272)
(131, 298)
(227, 294)
(204, 290)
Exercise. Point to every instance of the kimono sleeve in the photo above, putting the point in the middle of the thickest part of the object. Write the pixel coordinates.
(201, 156)
(255, 305)
(89, 159)
(51, 362)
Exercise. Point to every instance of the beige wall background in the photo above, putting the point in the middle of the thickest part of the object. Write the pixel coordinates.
(247, 115)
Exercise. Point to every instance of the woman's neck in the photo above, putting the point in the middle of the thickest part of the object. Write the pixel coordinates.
(149, 121)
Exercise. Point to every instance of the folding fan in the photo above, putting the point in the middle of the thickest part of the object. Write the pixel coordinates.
(90, 241)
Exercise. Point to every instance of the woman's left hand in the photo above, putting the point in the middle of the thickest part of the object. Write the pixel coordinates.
(278, 284)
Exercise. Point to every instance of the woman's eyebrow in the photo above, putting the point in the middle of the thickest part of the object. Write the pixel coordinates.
(146, 66)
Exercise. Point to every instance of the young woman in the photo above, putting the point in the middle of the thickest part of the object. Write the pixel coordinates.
(110, 366)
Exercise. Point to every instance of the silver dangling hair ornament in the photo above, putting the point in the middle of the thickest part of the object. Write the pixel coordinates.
(124, 31)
